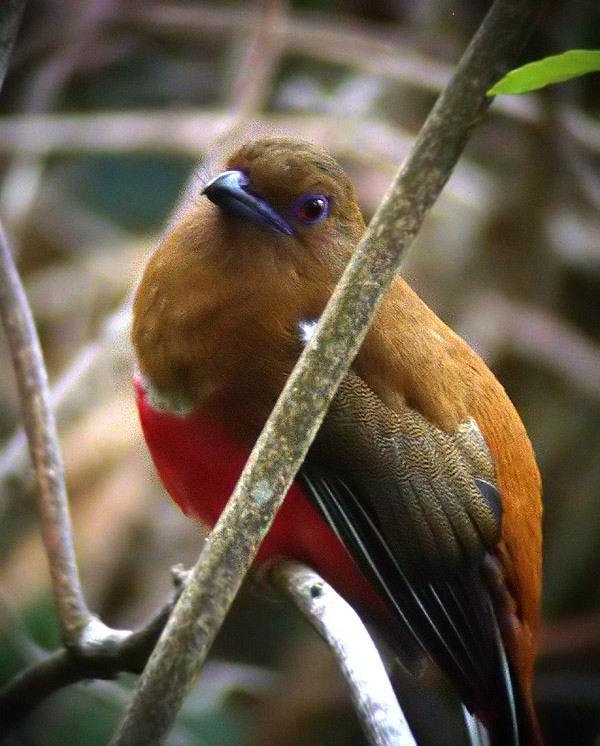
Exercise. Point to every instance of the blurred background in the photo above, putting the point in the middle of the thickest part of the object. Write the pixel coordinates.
(109, 109)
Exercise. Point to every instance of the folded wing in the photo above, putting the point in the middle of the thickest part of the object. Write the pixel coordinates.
(419, 511)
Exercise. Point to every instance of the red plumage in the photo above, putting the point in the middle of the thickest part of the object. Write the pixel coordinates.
(199, 461)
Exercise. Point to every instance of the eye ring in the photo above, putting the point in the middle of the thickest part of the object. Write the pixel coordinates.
(312, 209)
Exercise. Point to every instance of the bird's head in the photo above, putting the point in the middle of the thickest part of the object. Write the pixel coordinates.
(288, 195)
(246, 263)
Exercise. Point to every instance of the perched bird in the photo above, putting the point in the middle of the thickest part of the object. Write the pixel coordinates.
(420, 497)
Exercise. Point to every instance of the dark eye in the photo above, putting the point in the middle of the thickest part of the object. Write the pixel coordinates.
(312, 208)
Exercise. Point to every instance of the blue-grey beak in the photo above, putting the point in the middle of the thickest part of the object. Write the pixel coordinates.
(230, 191)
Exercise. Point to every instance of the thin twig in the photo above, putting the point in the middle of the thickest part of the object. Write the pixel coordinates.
(176, 661)
(340, 626)
(66, 666)
(40, 427)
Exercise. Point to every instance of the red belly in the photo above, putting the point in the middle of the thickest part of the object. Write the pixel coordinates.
(200, 462)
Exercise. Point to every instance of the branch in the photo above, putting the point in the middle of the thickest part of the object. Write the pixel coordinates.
(176, 661)
(32, 380)
(73, 614)
(340, 626)
(104, 660)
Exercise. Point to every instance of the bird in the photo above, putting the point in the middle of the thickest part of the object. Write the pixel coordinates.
(419, 500)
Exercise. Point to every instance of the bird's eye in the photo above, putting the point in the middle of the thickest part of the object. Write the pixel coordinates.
(312, 208)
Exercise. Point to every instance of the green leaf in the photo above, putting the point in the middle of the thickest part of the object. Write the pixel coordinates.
(553, 69)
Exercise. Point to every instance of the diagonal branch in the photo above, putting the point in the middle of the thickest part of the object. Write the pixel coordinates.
(216, 578)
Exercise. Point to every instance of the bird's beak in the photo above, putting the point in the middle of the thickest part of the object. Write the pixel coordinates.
(230, 191)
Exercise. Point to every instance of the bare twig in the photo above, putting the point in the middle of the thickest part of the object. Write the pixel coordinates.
(40, 427)
(66, 666)
(181, 650)
(340, 626)
(92, 649)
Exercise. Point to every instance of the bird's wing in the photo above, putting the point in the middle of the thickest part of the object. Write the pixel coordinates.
(419, 511)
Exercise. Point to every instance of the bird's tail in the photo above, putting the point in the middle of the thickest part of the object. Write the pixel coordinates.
(478, 734)
(518, 726)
